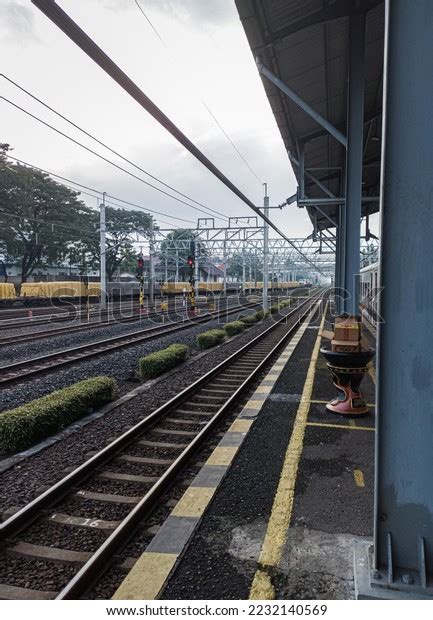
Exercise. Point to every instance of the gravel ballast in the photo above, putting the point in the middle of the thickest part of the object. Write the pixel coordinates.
(22, 482)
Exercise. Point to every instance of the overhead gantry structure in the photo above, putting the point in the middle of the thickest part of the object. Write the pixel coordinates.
(333, 95)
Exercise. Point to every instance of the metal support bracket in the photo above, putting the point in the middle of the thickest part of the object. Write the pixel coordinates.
(291, 94)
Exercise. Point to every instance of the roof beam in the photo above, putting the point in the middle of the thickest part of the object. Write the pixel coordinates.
(340, 8)
(306, 107)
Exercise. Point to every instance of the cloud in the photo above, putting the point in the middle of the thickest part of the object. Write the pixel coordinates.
(210, 12)
(16, 23)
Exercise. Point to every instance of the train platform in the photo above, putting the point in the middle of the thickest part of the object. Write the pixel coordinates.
(277, 509)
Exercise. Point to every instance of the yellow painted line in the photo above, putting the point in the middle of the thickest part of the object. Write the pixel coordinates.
(263, 389)
(352, 428)
(279, 521)
(240, 426)
(359, 478)
(254, 404)
(147, 577)
(222, 455)
(272, 375)
(193, 502)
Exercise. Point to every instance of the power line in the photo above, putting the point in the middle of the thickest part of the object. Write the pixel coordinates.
(85, 43)
(88, 134)
(112, 163)
(92, 189)
(201, 98)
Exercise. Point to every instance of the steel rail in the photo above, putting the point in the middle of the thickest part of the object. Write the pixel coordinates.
(38, 365)
(103, 556)
(23, 517)
(89, 326)
(97, 564)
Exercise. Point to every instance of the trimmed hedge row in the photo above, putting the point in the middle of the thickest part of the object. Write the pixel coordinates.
(157, 363)
(22, 427)
(249, 320)
(233, 328)
(209, 339)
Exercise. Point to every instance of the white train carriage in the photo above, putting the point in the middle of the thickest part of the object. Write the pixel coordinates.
(369, 291)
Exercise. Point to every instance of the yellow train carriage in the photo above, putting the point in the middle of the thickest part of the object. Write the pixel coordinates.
(55, 290)
(175, 288)
(211, 287)
(7, 291)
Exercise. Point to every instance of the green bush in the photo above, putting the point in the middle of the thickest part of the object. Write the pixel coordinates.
(274, 309)
(285, 303)
(261, 314)
(249, 320)
(157, 363)
(22, 427)
(233, 328)
(209, 339)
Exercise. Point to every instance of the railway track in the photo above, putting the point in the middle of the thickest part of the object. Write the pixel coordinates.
(73, 314)
(52, 333)
(19, 371)
(109, 496)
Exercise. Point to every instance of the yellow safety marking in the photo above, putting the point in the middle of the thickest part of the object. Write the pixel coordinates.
(254, 404)
(279, 520)
(278, 367)
(359, 478)
(273, 376)
(146, 578)
(222, 455)
(264, 389)
(351, 428)
(193, 502)
(240, 426)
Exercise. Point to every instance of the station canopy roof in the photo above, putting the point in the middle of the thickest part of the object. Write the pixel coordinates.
(305, 43)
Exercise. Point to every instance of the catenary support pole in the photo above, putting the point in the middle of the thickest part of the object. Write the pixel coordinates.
(403, 538)
(265, 249)
(355, 131)
(151, 267)
(102, 253)
(243, 272)
(196, 267)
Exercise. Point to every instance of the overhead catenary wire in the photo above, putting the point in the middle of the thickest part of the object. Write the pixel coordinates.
(103, 144)
(207, 107)
(112, 163)
(97, 191)
(80, 38)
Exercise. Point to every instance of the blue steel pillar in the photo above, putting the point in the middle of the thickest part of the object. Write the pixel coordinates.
(351, 228)
(403, 540)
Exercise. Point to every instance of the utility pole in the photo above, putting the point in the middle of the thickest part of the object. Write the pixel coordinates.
(243, 271)
(196, 266)
(177, 266)
(225, 264)
(102, 255)
(151, 268)
(265, 248)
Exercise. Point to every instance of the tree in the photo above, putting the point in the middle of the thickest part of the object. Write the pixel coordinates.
(40, 219)
(122, 227)
(180, 240)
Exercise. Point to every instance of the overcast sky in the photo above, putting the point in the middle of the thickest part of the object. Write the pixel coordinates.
(206, 57)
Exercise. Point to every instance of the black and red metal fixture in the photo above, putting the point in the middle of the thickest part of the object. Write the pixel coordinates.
(348, 363)
(140, 276)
